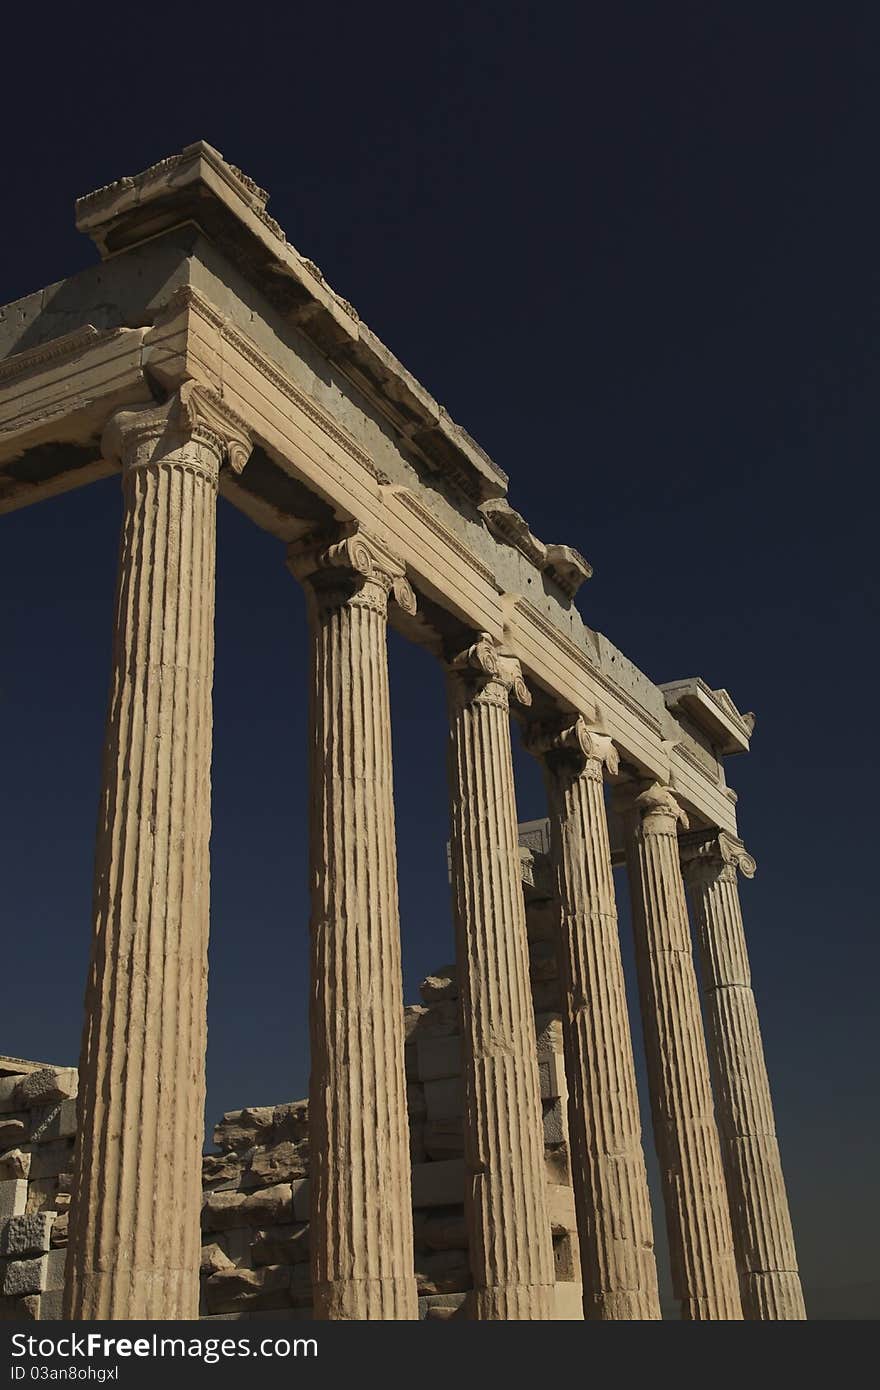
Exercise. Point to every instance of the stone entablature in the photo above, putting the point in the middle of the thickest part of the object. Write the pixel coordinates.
(71, 354)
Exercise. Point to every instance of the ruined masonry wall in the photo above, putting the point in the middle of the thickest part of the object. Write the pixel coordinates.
(37, 1130)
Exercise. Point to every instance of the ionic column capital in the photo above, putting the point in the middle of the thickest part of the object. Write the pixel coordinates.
(483, 671)
(714, 853)
(141, 436)
(654, 804)
(574, 747)
(356, 567)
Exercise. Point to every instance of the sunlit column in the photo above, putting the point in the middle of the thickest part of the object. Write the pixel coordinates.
(608, 1165)
(505, 1207)
(361, 1222)
(762, 1233)
(134, 1234)
(697, 1216)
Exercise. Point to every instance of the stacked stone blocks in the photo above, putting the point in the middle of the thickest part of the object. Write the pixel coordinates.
(37, 1130)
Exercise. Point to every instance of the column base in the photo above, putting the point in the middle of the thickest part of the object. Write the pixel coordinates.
(773, 1297)
(366, 1300)
(511, 1303)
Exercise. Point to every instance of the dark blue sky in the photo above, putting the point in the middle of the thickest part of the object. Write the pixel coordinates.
(633, 249)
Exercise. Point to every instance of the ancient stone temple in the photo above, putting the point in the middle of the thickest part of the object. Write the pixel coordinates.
(204, 354)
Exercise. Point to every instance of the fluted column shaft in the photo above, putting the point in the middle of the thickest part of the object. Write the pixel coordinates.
(134, 1236)
(697, 1216)
(762, 1233)
(505, 1204)
(361, 1205)
(608, 1164)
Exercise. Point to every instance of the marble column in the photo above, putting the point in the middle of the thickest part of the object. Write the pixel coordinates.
(762, 1233)
(505, 1203)
(697, 1215)
(608, 1164)
(361, 1206)
(135, 1242)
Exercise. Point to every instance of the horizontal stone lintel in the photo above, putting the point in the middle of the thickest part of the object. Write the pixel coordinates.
(576, 669)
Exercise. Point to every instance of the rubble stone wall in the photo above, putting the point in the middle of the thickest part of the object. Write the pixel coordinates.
(37, 1131)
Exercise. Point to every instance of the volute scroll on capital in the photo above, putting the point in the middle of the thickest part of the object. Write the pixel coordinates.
(576, 745)
(484, 664)
(715, 853)
(357, 562)
(138, 436)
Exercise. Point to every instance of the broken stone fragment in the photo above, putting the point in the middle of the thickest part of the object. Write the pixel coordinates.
(15, 1164)
(59, 1229)
(46, 1085)
(282, 1163)
(291, 1121)
(213, 1259)
(221, 1168)
(240, 1130)
(443, 984)
(268, 1206)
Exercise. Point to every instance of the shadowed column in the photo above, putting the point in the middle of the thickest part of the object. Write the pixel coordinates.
(505, 1205)
(361, 1218)
(134, 1233)
(762, 1233)
(608, 1164)
(697, 1216)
